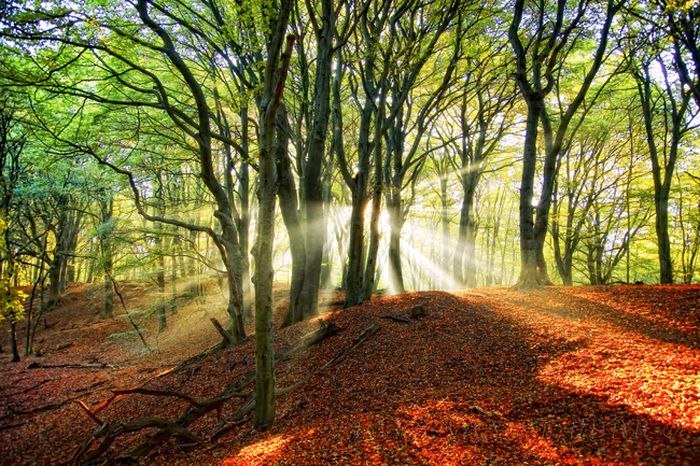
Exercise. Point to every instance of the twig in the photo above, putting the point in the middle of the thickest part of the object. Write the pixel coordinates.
(90, 414)
(128, 315)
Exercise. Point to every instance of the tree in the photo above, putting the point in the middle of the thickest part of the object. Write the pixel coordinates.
(682, 24)
(276, 67)
(667, 119)
(307, 226)
(482, 122)
(552, 33)
(149, 88)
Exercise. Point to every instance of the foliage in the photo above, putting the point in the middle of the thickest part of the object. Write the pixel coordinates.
(11, 302)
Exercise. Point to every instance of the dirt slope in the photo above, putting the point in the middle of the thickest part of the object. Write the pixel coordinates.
(578, 375)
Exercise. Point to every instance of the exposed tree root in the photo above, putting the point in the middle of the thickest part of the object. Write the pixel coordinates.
(38, 365)
(98, 443)
(33, 387)
(40, 409)
(11, 426)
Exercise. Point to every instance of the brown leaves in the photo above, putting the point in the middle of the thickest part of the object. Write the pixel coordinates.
(580, 375)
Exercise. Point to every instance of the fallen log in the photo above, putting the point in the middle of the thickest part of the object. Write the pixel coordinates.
(399, 318)
(11, 426)
(416, 312)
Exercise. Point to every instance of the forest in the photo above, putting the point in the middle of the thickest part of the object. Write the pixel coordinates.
(350, 231)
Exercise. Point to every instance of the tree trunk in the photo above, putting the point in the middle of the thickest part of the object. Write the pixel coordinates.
(663, 240)
(315, 224)
(287, 195)
(445, 223)
(356, 249)
(244, 219)
(458, 260)
(13, 341)
(160, 251)
(264, 353)
(327, 263)
(528, 244)
(273, 87)
(107, 206)
(369, 284)
(394, 207)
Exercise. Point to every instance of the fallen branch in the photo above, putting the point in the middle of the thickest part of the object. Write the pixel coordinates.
(48, 407)
(325, 330)
(368, 332)
(191, 360)
(38, 365)
(228, 338)
(399, 318)
(415, 312)
(91, 386)
(106, 434)
(89, 412)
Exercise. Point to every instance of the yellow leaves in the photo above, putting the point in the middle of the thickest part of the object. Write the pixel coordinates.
(682, 5)
(11, 302)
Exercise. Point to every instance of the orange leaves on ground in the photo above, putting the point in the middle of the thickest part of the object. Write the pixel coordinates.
(576, 375)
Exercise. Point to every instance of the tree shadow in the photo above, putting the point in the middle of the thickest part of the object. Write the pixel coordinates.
(569, 306)
(461, 386)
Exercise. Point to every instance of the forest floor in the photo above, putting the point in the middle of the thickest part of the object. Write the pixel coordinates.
(562, 375)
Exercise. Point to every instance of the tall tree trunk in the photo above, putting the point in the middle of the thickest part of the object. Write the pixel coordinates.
(315, 224)
(396, 221)
(106, 250)
(663, 239)
(287, 195)
(160, 251)
(470, 269)
(244, 219)
(327, 263)
(444, 223)
(663, 154)
(528, 243)
(273, 86)
(458, 258)
(369, 284)
(356, 249)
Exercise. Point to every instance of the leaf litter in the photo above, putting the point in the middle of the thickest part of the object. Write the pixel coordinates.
(559, 375)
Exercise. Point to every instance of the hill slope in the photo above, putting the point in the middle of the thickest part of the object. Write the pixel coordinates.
(581, 375)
